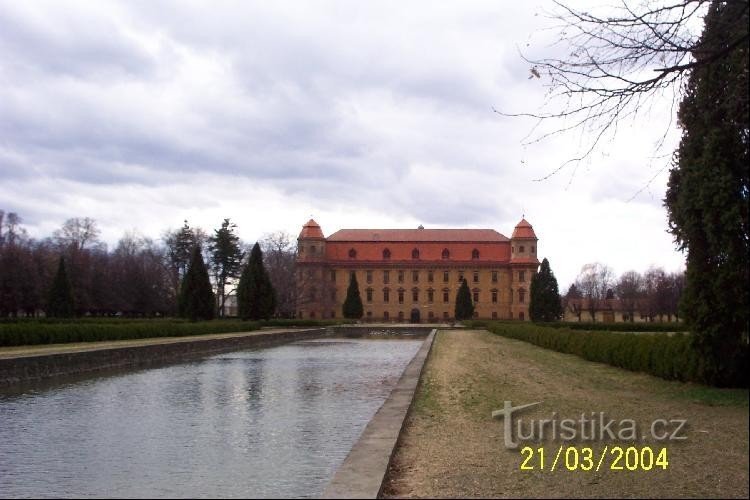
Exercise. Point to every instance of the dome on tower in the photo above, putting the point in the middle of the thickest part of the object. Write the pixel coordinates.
(311, 230)
(523, 230)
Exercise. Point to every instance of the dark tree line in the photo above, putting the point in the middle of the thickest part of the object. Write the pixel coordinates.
(139, 277)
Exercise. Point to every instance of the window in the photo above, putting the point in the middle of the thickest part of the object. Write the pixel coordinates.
(386, 295)
(386, 316)
(401, 316)
(312, 314)
(533, 249)
(446, 276)
(474, 254)
(494, 314)
(445, 314)
(446, 296)
(415, 295)
(369, 295)
(333, 276)
(460, 276)
(431, 315)
(476, 296)
(352, 253)
(430, 295)
(400, 295)
(476, 276)
(430, 276)
(313, 294)
(369, 314)
(333, 295)
(386, 254)
(520, 315)
(333, 314)
(415, 276)
(521, 276)
(369, 277)
(415, 254)
(521, 296)
(400, 276)
(521, 249)
(494, 276)
(313, 249)
(386, 277)
(446, 254)
(310, 273)
(494, 296)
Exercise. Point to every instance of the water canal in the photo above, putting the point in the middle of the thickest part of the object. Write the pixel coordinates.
(272, 422)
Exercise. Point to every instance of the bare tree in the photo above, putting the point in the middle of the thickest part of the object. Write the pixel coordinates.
(615, 61)
(595, 281)
(280, 260)
(629, 290)
(76, 233)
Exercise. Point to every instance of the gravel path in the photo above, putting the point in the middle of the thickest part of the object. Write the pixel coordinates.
(451, 447)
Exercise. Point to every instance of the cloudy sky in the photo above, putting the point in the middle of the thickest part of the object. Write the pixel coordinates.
(376, 114)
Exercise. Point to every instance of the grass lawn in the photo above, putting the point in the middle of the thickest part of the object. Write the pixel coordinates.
(451, 447)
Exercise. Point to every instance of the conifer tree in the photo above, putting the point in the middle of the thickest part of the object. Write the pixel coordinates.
(256, 297)
(60, 302)
(196, 301)
(353, 308)
(544, 295)
(464, 306)
(707, 196)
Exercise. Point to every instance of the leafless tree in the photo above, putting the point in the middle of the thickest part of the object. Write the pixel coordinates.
(76, 233)
(594, 281)
(615, 61)
(279, 258)
(629, 290)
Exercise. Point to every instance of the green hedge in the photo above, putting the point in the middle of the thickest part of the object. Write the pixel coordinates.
(619, 327)
(667, 356)
(40, 332)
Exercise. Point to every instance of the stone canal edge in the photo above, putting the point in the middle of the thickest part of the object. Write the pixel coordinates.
(362, 473)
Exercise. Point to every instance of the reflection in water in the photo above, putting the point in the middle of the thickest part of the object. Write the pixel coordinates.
(273, 422)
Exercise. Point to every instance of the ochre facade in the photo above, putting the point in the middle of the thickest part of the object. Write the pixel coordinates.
(413, 275)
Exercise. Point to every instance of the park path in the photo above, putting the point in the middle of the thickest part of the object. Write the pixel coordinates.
(451, 447)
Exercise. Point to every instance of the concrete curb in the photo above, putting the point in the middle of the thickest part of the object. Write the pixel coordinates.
(362, 473)
(36, 367)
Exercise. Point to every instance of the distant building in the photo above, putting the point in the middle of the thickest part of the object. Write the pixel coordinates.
(614, 311)
(414, 274)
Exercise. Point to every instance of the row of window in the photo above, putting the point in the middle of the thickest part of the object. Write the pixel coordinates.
(400, 276)
(401, 316)
(415, 293)
(446, 254)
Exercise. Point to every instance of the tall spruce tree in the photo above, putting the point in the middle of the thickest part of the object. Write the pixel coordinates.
(60, 303)
(464, 306)
(226, 259)
(256, 297)
(196, 301)
(707, 196)
(544, 295)
(353, 308)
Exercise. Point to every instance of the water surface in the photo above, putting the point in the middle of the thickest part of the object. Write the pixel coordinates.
(272, 422)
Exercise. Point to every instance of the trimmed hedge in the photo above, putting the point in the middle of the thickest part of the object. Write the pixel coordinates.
(15, 332)
(619, 327)
(670, 357)
(43, 332)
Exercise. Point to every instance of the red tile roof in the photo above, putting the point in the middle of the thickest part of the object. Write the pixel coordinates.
(523, 230)
(418, 235)
(311, 230)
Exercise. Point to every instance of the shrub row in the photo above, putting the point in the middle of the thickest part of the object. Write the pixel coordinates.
(31, 333)
(619, 327)
(59, 331)
(667, 356)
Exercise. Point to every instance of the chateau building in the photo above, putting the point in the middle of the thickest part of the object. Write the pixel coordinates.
(414, 274)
